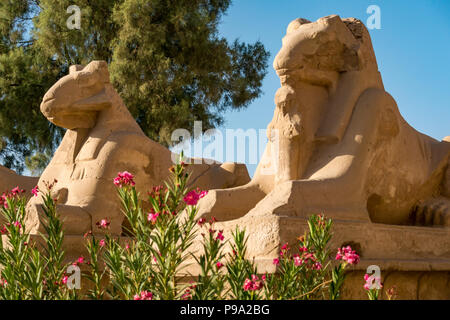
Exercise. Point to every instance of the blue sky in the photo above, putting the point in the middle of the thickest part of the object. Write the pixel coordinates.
(412, 48)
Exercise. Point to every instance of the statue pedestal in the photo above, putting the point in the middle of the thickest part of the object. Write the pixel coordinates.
(405, 248)
(414, 259)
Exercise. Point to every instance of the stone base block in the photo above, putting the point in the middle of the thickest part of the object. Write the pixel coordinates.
(414, 259)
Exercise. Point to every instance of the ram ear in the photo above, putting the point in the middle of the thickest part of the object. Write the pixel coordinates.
(101, 68)
(295, 24)
(96, 72)
(340, 108)
(75, 67)
(356, 27)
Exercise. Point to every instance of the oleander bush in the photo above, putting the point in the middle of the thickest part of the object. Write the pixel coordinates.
(31, 268)
(150, 263)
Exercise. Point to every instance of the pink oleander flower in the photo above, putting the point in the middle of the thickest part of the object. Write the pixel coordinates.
(144, 295)
(64, 279)
(49, 185)
(124, 179)
(186, 295)
(252, 284)
(15, 191)
(391, 293)
(276, 261)
(3, 230)
(35, 191)
(103, 224)
(309, 256)
(87, 234)
(192, 197)
(352, 258)
(220, 236)
(303, 249)
(308, 259)
(219, 265)
(348, 255)
(17, 224)
(298, 261)
(317, 266)
(154, 257)
(4, 199)
(372, 282)
(80, 260)
(201, 221)
(127, 246)
(192, 286)
(153, 217)
(284, 249)
(248, 284)
(102, 243)
(3, 283)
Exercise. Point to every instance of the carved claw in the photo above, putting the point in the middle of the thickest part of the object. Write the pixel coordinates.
(433, 212)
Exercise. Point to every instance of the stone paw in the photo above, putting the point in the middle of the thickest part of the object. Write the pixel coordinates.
(433, 212)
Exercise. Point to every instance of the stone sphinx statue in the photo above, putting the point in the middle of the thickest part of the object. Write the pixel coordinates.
(337, 141)
(102, 139)
(339, 146)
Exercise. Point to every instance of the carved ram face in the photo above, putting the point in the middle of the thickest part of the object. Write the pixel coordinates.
(317, 52)
(75, 100)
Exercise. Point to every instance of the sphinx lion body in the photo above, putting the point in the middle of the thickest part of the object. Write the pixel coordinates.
(342, 146)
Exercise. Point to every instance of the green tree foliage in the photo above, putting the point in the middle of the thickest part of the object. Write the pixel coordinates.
(25, 75)
(166, 58)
